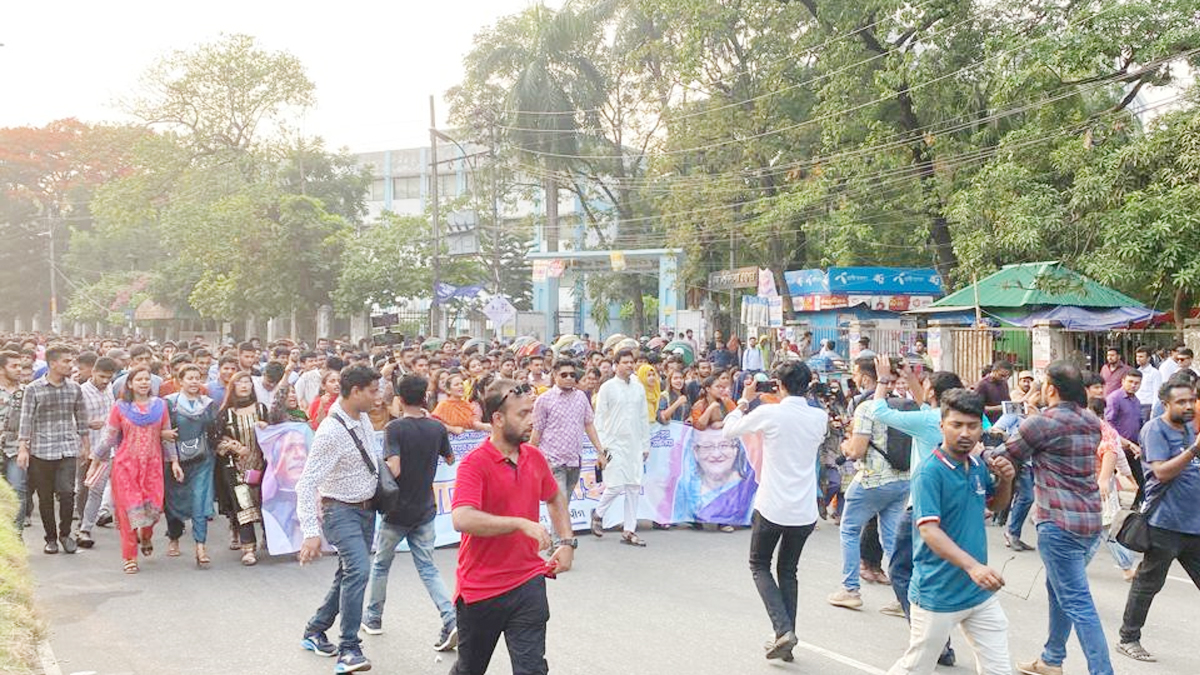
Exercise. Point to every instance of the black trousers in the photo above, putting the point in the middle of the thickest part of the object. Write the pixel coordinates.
(778, 592)
(50, 478)
(1166, 546)
(869, 548)
(520, 615)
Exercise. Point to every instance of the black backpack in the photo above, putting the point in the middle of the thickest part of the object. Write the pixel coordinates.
(899, 444)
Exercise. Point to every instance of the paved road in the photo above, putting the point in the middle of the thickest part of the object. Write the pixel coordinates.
(685, 604)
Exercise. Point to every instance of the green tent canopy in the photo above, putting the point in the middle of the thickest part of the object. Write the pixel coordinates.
(1036, 284)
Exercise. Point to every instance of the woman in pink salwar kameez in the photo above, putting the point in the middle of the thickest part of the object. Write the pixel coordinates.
(137, 426)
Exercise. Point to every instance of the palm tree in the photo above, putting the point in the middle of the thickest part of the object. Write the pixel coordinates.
(554, 91)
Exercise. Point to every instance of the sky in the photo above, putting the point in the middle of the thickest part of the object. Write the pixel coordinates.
(374, 63)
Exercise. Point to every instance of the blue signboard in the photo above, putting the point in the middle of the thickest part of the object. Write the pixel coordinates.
(807, 282)
(884, 280)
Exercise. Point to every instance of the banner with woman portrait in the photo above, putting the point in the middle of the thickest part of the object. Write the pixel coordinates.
(691, 477)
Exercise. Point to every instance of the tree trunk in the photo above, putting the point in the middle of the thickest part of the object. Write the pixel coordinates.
(1182, 307)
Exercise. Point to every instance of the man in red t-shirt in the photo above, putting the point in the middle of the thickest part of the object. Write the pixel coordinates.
(501, 574)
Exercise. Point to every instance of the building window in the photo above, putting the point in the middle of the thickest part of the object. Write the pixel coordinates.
(377, 186)
(407, 187)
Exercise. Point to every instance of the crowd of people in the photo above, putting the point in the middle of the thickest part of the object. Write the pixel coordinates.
(908, 462)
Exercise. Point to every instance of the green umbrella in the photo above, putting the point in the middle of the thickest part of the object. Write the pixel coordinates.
(682, 348)
(432, 344)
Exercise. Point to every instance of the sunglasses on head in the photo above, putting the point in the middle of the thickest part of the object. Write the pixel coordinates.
(519, 390)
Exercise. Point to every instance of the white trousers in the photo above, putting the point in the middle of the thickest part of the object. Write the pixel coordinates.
(631, 492)
(985, 626)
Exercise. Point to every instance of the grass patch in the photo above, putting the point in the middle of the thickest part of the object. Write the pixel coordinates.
(20, 630)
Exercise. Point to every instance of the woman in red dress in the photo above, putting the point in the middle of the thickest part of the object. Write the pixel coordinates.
(137, 426)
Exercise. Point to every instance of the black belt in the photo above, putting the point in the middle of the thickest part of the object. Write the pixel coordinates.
(364, 505)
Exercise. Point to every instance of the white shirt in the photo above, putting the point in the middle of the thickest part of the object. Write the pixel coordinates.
(335, 468)
(308, 387)
(792, 435)
(752, 359)
(1152, 381)
(1167, 369)
(623, 425)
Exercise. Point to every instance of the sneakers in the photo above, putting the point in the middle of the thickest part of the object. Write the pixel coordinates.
(947, 658)
(104, 519)
(372, 627)
(892, 609)
(846, 598)
(1134, 650)
(770, 644)
(448, 639)
(51, 547)
(84, 539)
(1036, 667)
(68, 544)
(783, 646)
(352, 661)
(318, 644)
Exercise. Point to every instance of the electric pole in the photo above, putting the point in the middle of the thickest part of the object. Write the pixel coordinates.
(435, 311)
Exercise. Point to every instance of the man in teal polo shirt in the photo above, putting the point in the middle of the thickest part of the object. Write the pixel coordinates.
(952, 584)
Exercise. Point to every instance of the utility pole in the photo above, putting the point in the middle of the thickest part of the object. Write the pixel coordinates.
(435, 311)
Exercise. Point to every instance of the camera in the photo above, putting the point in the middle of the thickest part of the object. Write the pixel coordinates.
(765, 385)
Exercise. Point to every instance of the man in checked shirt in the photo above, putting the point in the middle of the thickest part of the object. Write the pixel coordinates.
(1060, 445)
(54, 429)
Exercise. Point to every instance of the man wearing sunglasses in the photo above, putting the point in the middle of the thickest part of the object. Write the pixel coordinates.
(501, 576)
(561, 417)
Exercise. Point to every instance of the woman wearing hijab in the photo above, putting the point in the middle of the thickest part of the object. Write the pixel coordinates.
(137, 427)
(648, 376)
(194, 416)
(240, 467)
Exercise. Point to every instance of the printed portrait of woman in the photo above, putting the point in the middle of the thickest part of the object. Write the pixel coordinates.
(286, 448)
(716, 482)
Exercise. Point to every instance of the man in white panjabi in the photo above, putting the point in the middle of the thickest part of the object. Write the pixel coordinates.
(624, 430)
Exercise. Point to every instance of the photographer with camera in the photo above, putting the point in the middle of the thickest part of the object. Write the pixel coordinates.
(785, 506)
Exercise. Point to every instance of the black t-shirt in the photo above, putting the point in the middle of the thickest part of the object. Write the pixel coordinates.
(417, 441)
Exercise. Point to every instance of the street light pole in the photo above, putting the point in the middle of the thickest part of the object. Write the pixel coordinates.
(435, 311)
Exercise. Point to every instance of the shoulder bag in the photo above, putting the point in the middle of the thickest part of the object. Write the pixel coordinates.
(1131, 528)
(387, 492)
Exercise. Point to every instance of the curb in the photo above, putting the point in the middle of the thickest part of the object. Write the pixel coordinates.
(49, 661)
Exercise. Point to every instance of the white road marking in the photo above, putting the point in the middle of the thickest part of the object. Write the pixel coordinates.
(844, 660)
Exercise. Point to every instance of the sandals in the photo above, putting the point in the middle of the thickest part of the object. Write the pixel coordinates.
(631, 539)
(131, 567)
(727, 528)
(147, 545)
(248, 557)
(235, 541)
(1135, 651)
(202, 559)
(597, 524)
(173, 548)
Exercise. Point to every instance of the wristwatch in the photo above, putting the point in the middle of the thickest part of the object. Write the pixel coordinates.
(572, 542)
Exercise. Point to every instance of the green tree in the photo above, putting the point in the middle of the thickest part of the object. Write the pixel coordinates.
(1144, 201)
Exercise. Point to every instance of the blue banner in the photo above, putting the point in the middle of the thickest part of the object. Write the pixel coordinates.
(807, 282)
(883, 281)
(445, 292)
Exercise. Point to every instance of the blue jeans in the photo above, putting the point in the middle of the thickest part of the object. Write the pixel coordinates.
(16, 477)
(1066, 557)
(420, 543)
(862, 504)
(349, 529)
(1022, 501)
